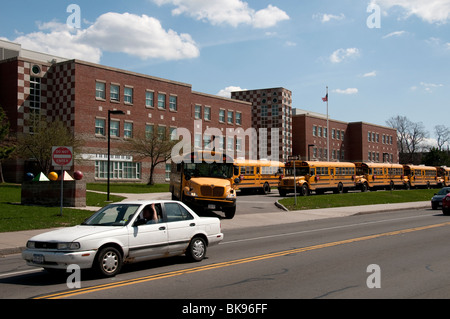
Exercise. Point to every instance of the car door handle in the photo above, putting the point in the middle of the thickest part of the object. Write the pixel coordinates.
(162, 228)
(192, 224)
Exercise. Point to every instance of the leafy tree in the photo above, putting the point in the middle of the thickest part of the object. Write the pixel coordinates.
(6, 147)
(436, 157)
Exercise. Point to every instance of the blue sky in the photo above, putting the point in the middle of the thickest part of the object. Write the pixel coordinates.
(397, 64)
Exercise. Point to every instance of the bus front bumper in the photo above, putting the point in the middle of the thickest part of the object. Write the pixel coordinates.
(210, 203)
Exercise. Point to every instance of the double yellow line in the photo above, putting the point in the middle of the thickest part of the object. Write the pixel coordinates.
(123, 283)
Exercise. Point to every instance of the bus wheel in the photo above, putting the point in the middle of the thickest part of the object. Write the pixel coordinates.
(266, 188)
(230, 212)
(364, 187)
(305, 190)
(340, 188)
(282, 193)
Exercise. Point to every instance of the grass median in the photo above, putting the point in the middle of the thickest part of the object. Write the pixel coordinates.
(16, 217)
(357, 199)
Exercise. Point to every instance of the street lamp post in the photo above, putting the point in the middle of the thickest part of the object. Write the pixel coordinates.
(116, 112)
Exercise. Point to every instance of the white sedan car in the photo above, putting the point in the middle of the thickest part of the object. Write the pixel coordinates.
(126, 232)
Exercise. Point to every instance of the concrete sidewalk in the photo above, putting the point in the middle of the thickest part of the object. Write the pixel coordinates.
(14, 242)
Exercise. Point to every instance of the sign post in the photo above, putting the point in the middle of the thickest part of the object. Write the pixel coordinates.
(62, 156)
(294, 158)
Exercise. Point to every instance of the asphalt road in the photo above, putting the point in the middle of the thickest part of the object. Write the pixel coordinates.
(322, 259)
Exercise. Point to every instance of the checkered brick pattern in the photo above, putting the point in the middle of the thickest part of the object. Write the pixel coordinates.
(25, 75)
(263, 116)
(62, 100)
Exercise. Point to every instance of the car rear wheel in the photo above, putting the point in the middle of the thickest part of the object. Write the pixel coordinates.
(197, 249)
(109, 262)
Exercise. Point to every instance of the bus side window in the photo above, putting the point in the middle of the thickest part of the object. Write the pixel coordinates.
(312, 172)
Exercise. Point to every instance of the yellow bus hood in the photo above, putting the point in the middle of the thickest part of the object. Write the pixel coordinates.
(210, 181)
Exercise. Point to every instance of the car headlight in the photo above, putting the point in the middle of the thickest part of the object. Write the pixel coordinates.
(68, 246)
(447, 198)
(30, 244)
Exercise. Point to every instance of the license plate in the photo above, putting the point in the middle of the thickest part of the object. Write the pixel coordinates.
(38, 259)
(211, 206)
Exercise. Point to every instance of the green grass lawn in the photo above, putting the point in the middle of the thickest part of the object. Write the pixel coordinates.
(15, 217)
(357, 199)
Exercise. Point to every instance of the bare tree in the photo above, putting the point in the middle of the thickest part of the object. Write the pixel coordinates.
(410, 135)
(156, 147)
(44, 135)
(443, 135)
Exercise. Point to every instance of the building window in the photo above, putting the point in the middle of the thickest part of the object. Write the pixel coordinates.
(319, 131)
(168, 170)
(314, 130)
(128, 95)
(264, 111)
(173, 133)
(333, 133)
(207, 113)
(149, 130)
(128, 130)
(238, 118)
(222, 116)
(161, 133)
(118, 170)
(172, 103)
(114, 92)
(207, 142)
(149, 97)
(238, 145)
(114, 128)
(100, 90)
(198, 141)
(100, 127)
(230, 117)
(230, 143)
(198, 112)
(161, 101)
(35, 95)
(275, 110)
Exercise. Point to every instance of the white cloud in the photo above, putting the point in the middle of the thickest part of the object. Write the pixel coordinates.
(394, 34)
(431, 11)
(140, 36)
(428, 87)
(370, 74)
(226, 92)
(325, 17)
(231, 12)
(349, 91)
(342, 54)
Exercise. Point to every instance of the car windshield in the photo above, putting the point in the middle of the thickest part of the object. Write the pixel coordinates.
(113, 215)
(223, 170)
(299, 171)
(444, 191)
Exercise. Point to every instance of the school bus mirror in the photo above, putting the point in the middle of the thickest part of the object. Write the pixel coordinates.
(187, 176)
(237, 180)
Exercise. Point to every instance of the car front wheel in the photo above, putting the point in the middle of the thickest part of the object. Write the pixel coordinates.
(197, 249)
(109, 262)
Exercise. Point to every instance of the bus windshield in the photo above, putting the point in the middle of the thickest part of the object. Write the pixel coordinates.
(299, 171)
(222, 170)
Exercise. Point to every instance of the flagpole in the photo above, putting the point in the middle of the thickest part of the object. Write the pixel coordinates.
(328, 132)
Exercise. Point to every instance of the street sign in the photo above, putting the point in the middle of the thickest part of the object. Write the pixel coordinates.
(62, 156)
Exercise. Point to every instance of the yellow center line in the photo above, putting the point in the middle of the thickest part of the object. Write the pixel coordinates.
(123, 283)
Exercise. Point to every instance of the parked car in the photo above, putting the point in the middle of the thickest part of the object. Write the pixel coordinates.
(446, 205)
(126, 232)
(436, 200)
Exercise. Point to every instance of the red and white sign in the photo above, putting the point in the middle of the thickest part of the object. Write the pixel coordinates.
(62, 156)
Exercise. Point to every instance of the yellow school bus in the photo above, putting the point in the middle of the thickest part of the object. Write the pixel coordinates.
(420, 176)
(259, 175)
(204, 181)
(380, 176)
(443, 173)
(338, 177)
